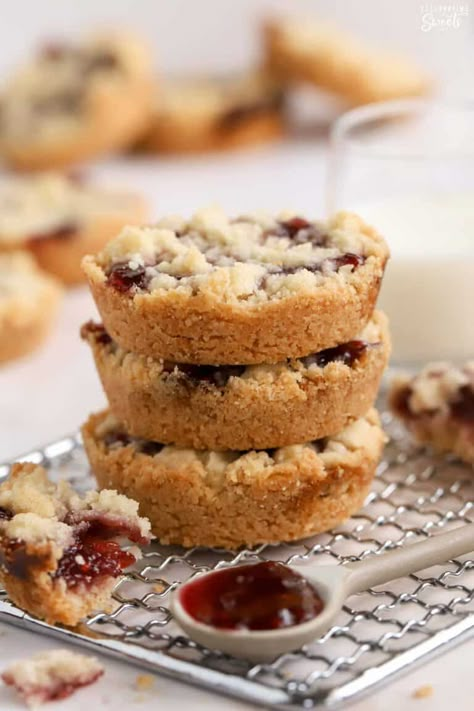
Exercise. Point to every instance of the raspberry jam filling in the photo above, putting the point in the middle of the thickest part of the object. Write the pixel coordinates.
(264, 596)
(94, 554)
(117, 438)
(348, 353)
(90, 558)
(124, 278)
(98, 331)
(5, 514)
(219, 375)
(104, 60)
(65, 231)
(215, 375)
(301, 231)
(87, 62)
(233, 117)
(463, 407)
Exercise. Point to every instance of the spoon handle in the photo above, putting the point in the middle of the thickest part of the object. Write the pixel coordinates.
(382, 568)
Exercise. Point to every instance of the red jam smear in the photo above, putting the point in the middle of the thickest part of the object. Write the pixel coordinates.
(97, 330)
(463, 407)
(347, 353)
(5, 514)
(264, 596)
(218, 375)
(93, 555)
(62, 232)
(123, 278)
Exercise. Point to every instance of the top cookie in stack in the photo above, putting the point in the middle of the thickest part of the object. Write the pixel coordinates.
(241, 359)
(249, 290)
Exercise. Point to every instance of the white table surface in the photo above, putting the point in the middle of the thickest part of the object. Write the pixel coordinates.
(50, 393)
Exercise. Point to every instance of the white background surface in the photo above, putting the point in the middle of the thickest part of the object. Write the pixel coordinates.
(52, 392)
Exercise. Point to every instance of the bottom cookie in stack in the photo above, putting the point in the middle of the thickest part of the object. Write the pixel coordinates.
(231, 499)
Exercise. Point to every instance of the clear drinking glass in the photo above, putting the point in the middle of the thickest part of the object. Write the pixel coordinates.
(407, 167)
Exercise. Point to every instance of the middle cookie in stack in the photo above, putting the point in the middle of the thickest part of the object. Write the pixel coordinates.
(254, 342)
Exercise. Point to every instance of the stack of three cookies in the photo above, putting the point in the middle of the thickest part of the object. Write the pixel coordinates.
(241, 359)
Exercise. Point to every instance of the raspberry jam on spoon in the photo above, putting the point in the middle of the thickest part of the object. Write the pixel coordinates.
(258, 612)
(263, 596)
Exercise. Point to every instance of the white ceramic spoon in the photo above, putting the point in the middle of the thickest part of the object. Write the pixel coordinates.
(334, 583)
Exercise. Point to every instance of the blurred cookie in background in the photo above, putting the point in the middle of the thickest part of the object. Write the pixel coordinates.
(61, 218)
(29, 301)
(73, 102)
(205, 113)
(322, 55)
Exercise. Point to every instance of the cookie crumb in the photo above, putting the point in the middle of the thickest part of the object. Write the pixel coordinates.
(50, 675)
(159, 587)
(423, 692)
(144, 682)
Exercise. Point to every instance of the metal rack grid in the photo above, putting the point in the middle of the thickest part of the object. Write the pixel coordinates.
(378, 634)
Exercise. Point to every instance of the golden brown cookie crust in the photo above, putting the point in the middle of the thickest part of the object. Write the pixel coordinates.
(168, 137)
(334, 61)
(26, 317)
(201, 500)
(202, 329)
(267, 407)
(51, 601)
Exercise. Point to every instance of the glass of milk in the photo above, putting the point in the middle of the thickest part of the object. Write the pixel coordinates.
(407, 167)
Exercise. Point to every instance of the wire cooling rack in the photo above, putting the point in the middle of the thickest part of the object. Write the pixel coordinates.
(378, 634)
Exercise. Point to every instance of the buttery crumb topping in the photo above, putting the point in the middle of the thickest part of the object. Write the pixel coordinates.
(249, 259)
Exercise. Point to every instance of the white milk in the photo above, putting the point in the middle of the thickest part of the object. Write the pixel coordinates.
(428, 288)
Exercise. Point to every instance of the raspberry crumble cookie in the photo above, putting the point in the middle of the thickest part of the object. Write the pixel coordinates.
(253, 289)
(300, 50)
(437, 407)
(203, 113)
(29, 301)
(230, 499)
(52, 675)
(242, 407)
(73, 102)
(61, 218)
(59, 559)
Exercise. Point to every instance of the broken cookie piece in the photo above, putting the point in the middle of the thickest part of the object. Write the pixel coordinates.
(51, 675)
(59, 557)
(437, 407)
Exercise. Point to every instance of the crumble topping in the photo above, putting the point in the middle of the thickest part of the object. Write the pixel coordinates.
(54, 205)
(29, 491)
(246, 259)
(32, 528)
(51, 675)
(216, 467)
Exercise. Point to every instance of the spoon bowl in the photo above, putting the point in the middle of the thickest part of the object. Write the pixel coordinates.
(265, 645)
(333, 584)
